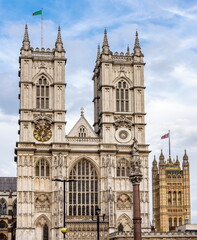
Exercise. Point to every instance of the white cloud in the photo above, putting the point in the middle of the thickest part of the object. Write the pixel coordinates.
(168, 36)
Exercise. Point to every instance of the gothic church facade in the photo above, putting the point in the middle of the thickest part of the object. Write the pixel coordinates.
(99, 159)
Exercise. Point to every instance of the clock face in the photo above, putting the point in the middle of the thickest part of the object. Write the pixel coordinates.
(42, 134)
(123, 135)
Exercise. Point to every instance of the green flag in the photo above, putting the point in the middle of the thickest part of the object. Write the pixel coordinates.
(37, 13)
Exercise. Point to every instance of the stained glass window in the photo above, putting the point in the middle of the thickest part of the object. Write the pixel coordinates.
(83, 194)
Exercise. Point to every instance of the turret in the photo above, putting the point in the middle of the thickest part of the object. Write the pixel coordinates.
(161, 160)
(154, 167)
(185, 161)
(177, 163)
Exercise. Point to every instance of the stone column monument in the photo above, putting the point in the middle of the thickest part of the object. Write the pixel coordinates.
(136, 177)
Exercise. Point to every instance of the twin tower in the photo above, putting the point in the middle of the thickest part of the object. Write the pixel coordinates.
(99, 159)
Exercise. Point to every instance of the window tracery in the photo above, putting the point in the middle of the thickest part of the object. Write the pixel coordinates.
(3, 207)
(82, 131)
(42, 168)
(122, 96)
(123, 168)
(83, 194)
(42, 93)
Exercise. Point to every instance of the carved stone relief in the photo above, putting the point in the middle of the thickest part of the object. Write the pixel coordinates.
(124, 202)
(42, 202)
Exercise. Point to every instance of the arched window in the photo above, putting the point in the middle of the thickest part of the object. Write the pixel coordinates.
(122, 96)
(170, 223)
(179, 198)
(82, 131)
(123, 169)
(169, 198)
(180, 221)
(45, 232)
(175, 222)
(42, 168)
(42, 93)
(83, 194)
(3, 207)
(174, 198)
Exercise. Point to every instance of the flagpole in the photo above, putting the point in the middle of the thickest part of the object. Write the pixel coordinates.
(42, 29)
(169, 143)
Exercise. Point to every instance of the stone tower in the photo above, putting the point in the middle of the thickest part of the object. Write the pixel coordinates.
(171, 193)
(98, 159)
(42, 131)
(119, 120)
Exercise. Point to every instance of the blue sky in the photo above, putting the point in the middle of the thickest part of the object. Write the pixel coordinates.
(168, 37)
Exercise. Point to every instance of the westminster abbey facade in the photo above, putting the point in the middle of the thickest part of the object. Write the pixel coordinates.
(99, 159)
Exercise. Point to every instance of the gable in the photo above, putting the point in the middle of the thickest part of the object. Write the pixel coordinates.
(82, 129)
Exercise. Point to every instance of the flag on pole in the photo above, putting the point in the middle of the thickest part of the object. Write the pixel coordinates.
(165, 136)
(37, 13)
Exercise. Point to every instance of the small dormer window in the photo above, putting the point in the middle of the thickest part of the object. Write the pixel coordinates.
(82, 132)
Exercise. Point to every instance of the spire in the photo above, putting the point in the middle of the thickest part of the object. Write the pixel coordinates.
(177, 161)
(98, 52)
(185, 161)
(137, 48)
(26, 42)
(161, 157)
(59, 44)
(137, 44)
(185, 157)
(154, 167)
(154, 162)
(105, 46)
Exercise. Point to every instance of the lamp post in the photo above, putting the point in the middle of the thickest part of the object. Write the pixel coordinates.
(64, 230)
(97, 213)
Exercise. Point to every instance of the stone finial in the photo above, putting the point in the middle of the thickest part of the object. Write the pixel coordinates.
(161, 157)
(98, 52)
(154, 161)
(82, 112)
(128, 50)
(137, 48)
(59, 44)
(185, 157)
(26, 42)
(10, 194)
(105, 47)
(177, 163)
